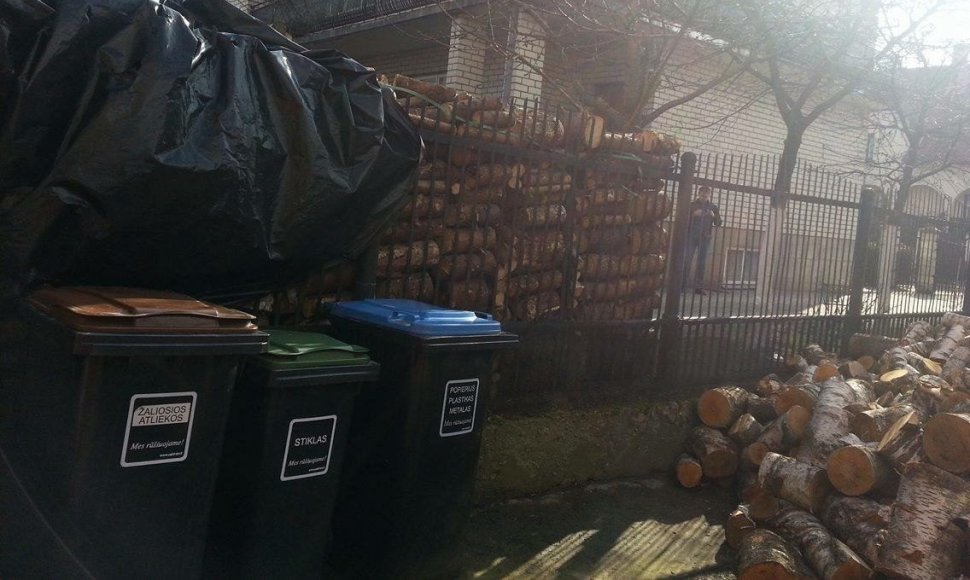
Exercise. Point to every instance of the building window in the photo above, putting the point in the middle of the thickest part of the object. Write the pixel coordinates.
(741, 267)
(871, 148)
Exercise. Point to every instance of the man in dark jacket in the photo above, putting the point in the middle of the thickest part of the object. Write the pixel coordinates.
(704, 217)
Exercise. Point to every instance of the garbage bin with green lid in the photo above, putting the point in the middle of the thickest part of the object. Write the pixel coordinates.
(415, 436)
(284, 446)
(113, 405)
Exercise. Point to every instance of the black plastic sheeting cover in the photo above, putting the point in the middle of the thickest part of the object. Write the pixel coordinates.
(185, 145)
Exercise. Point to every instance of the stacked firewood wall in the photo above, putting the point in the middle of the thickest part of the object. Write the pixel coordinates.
(496, 226)
(621, 239)
(847, 468)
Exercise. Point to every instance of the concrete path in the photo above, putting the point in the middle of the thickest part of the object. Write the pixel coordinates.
(620, 530)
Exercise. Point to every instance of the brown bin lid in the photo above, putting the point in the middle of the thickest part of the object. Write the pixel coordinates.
(108, 309)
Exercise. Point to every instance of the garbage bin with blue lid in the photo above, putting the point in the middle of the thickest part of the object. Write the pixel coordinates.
(281, 461)
(415, 436)
(113, 407)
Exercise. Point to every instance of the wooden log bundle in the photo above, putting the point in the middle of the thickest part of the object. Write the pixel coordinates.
(878, 479)
(496, 214)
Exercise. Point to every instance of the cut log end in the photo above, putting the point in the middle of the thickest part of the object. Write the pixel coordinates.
(721, 407)
(946, 442)
(689, 471)
(856, 470)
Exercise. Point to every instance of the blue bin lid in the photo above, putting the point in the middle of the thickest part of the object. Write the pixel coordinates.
(417, 318)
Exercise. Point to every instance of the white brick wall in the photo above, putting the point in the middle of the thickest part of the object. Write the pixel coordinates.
(529, 45)
(466, 55)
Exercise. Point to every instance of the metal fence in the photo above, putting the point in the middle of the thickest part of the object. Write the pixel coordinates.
(589, 251)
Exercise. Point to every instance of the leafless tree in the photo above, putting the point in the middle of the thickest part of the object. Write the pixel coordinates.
(813, 54)
(923, 123)
(640, 40)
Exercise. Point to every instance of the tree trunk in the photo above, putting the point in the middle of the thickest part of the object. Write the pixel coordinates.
(953, 368)
(830, 419)
(718, 454)
(414, 286)
(527, 284)
(689, 471)
(437, 93)
(802, 484)
(857, 470)
(857, 521)
(764, 555)
(803, 393)
(949, 342)
(902, 443)
(407, 257)
(466, 240)
(917, 332)
(745, 430)
(946, 442)
(737, 526)
(781, 434)
(922, 541)
(868, 345)
(830, 558)
(721, 407)
(872, 425)
(825, 371)
(768, 385)
(762, 408)
(454, 266)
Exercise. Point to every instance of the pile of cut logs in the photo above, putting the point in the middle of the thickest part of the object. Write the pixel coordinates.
(491, 228)
(847, 468)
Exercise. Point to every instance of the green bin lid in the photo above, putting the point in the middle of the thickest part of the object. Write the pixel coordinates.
(291, 349)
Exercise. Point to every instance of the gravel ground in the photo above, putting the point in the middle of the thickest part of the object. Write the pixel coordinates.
(648, 528)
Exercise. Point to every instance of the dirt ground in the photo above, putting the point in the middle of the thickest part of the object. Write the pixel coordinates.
(645, 528)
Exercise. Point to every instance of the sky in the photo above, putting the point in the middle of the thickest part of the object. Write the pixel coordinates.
(949, 26)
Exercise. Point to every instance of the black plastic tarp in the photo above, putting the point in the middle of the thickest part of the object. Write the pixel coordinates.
(185, 145)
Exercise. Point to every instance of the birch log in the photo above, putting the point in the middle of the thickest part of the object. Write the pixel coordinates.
(780, 435)
(857, 521)
(802, 484)
(946, 442)
(745, 430)
(721, 407)
(947, 344)
(828, 557)
(922, 542)
(737, 526)
(765, 555)
(857, 470)
(872, 425)
(717, 453)
(830, 418)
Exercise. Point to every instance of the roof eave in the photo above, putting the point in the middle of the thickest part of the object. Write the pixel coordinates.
(387, 20)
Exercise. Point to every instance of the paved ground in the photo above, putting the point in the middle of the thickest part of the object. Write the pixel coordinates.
(620, 530)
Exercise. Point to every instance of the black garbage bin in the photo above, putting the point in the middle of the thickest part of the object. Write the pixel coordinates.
(415, 436)
(284, 446)
(113, 405)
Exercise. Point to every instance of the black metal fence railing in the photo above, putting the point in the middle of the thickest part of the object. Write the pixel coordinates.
(597, 249)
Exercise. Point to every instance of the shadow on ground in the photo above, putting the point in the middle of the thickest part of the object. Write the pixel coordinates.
(646, 528)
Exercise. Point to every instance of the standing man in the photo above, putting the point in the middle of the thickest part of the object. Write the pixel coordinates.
(704, 216)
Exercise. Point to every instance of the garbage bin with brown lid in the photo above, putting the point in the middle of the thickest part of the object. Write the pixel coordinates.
(113, 404)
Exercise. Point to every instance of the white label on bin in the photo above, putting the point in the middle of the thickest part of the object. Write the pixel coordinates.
(159, 428)
(458, 408)
(308, 445)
